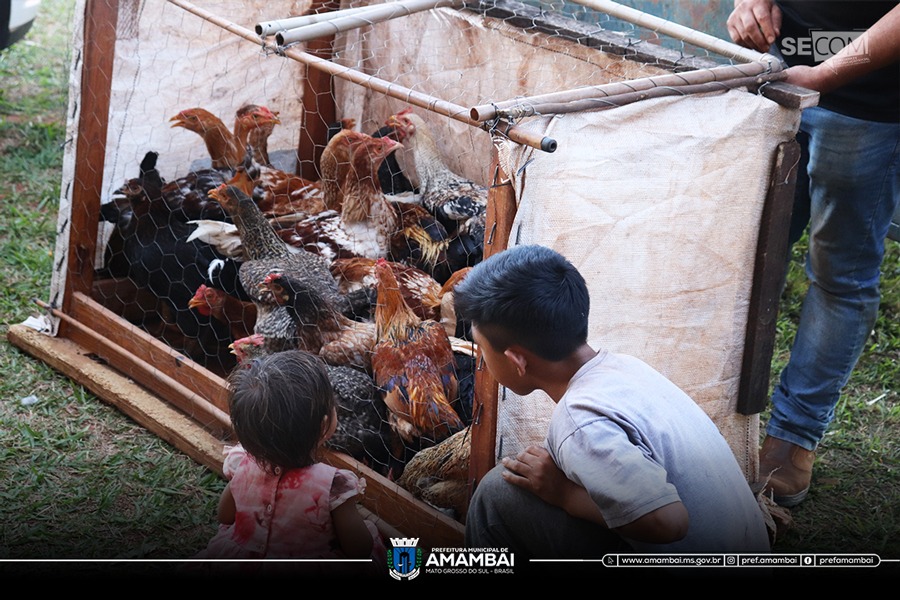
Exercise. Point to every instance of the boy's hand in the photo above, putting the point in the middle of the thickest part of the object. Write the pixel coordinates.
(534, 470)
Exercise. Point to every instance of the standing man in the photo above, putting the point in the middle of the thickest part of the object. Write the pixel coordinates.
(848, 188)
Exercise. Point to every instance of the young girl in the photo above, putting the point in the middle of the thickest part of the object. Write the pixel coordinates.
(280, 501)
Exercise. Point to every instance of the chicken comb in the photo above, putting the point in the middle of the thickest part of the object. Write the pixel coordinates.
(272, 276)
(267, 112)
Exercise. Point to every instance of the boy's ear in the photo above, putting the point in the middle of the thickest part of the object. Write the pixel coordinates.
(518, 359)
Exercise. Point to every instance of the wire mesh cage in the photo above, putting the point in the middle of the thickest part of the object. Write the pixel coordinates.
(318, 140)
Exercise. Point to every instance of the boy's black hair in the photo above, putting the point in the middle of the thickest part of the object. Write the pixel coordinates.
(530, 296)
(278, 404)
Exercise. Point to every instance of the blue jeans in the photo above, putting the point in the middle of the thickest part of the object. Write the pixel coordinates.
(847, 195)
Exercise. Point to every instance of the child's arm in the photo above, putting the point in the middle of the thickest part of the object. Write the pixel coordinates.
(351, 530)
(227, 507)
(534, 470)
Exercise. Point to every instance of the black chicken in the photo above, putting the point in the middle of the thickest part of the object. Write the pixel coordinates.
(150, 246)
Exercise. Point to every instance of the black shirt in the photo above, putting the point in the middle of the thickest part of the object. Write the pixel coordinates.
(814, 30)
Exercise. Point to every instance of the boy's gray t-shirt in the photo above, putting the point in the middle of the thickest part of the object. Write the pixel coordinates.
(637, 442)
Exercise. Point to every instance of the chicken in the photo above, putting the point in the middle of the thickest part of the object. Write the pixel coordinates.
(465, 364)
(363, 431)
(265, 252)
(367, 221)
(183, 199)
(247, 348)
(188, 195)
(246, 149)
(421, 241)
(442, 304)
(413, 366)
(157, 256)
(439, 475)
(259, 123)
(368, 225)
(226, 148)
(459, 203)
(393, 180)
(320, 328)
(239, 315)
(415, 237)
(278, 193)
(332, 162)
(419, 289)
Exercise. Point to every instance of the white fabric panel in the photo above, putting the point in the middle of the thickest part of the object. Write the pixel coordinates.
(466, 59)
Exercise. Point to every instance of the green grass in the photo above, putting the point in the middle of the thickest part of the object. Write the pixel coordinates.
(79, 479)
(854, 502)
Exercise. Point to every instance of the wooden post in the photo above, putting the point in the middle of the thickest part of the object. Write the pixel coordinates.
(768, 274)
(100, 21)
(319, 108)
(501, 211)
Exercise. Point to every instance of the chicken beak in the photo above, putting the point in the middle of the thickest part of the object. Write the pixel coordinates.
(386, 145)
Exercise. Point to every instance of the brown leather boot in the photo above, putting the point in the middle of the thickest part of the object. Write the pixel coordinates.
(788, 468)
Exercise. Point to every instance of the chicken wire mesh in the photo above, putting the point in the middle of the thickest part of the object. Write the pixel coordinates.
(325, 155)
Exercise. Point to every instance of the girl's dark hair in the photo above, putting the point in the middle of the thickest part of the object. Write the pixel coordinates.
(530, 296)
(278, 404)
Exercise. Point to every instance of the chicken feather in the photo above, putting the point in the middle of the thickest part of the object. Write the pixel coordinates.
(413, 366)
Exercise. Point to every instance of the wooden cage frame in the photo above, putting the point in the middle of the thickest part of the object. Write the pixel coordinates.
(186, 405)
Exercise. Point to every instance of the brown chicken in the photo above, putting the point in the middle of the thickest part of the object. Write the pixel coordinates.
(320, 328)
(332, 163)
(419, 289)
(260, 123)
(439, 475)
(279, 194)
(226, 148)
(413, 365)
(442, 304)
(351, 166)
(367, 221)
(239, 315)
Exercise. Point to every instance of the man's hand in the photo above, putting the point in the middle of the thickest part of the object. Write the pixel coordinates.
(754, 23)
(534, 470)
(814, 78)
